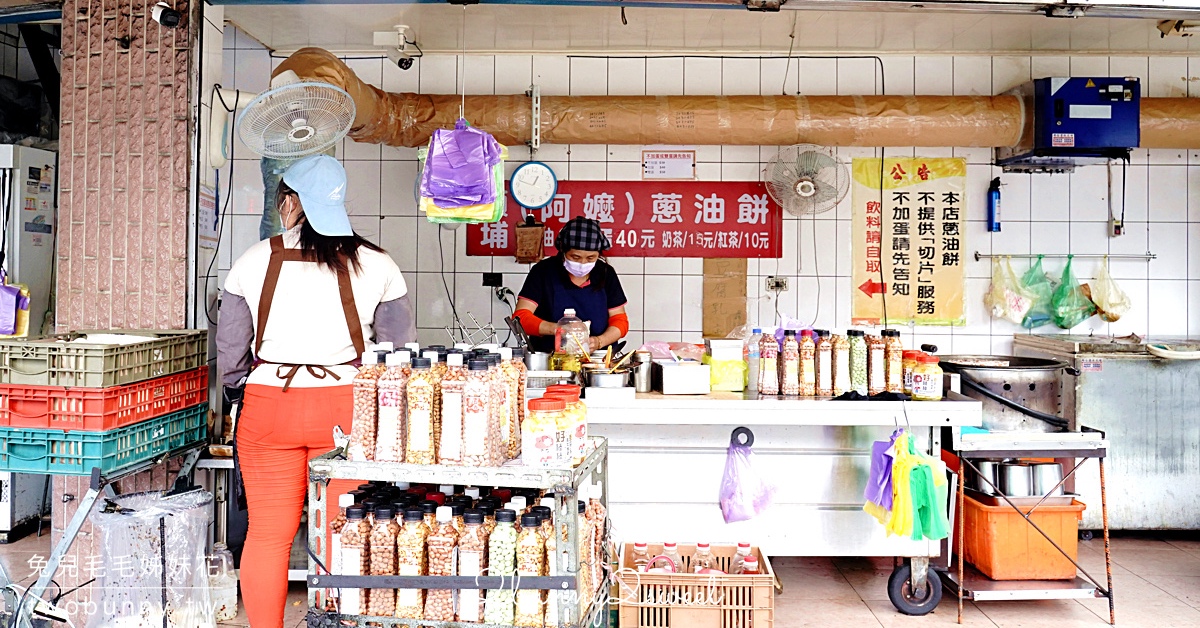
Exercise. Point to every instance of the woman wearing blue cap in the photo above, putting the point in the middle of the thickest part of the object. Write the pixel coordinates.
(576, 278)
(297, 311)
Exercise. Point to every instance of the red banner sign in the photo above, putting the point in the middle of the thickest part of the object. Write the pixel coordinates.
(653, 219)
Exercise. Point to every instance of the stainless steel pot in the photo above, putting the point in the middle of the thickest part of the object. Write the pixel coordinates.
(1047, 475)
(987, 469)
(536, 361)
(604, 379)
(1033, 383)
(1016, 479)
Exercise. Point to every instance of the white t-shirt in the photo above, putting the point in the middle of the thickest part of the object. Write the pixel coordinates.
(307, 324)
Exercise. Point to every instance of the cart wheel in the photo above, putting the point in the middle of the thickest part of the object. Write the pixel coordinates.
(906, 600)
(1086, 535)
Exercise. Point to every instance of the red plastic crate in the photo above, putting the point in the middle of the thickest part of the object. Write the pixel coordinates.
(100, 409)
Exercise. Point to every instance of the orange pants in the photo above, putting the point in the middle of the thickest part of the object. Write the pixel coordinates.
(278, 433)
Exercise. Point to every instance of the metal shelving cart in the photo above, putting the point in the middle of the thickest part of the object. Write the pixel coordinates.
(1066, 446)
(563, 482)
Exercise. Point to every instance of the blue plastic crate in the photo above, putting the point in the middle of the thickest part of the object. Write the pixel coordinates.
(58, 452)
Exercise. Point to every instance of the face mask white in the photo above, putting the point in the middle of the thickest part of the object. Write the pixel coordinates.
(578, 269)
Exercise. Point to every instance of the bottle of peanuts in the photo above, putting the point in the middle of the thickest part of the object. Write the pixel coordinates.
(531, 559)
(441, 554)
(410, 561)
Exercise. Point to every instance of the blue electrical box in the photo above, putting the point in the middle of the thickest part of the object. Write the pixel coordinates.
(1075, 121)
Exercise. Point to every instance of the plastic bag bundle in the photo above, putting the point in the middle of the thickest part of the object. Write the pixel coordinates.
(1035, 283)
(744, 494)
(1005, 297)
(1070, 306)
(907, 490)
(1111, 301)
(462, 176)
(140, 570)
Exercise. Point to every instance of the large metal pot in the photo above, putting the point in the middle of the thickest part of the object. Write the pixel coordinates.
(1032, 383)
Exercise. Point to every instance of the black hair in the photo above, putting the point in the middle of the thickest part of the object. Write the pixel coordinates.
(337, 253)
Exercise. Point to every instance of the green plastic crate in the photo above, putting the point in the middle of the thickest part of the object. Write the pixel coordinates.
(58, 452)
(46, 361)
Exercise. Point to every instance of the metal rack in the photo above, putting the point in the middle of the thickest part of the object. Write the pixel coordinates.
(563, 482)
(1069, 445)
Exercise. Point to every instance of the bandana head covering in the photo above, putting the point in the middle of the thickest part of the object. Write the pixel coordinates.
(583, 234)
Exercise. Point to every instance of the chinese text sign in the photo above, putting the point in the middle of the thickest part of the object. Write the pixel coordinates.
(908, 241)
(734, 219)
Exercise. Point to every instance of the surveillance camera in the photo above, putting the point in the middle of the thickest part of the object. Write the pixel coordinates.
(401, 58)
(165, 15)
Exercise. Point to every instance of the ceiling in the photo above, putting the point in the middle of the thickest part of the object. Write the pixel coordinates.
(578, 30)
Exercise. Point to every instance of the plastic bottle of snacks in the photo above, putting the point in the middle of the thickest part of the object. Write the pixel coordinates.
(927, 379)
(789, 364)
(437, 368)
(477, 444)
(550, 566)
(703, 559)
(750, 566)
(502, 561)
(454, 382)
(858, 361)
(641, 556)
(410, 561)
(768, 366)
(420, 413)
(586, 557)
(743, 550)
(345, 500)
(389, 439)
(539, 445)
(824, 362)
(750, 350)
(364, 420)
(489, 515)
(513, 378)
(369, 508)
(383, 560)
(472, 559)
(569, 445)
(500, 409)
(893, 356)
(908, 364)
(597, 516)
(841, 364)
(518, 362)
(531, 558)
(355, 560)
(808, 364)
(441, 554)
(429, 514)
(876, 365)
(458, 508)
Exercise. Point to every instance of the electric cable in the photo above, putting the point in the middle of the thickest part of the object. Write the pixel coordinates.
(216, 91)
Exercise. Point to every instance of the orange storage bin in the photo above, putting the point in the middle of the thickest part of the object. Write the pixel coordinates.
(1003, 546)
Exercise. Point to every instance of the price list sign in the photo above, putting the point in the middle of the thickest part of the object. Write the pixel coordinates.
(728, 219)
(908, 241)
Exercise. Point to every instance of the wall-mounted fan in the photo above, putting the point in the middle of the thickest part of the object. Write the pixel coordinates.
(806, 179)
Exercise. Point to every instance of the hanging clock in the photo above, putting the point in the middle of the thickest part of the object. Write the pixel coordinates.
(533, 185)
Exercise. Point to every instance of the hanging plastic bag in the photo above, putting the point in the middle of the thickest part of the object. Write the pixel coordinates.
(878, 492)
(1070, 306)
(459, 167)
(1006, 298)
(1111, 301)
(1035, 283)
(744, 494)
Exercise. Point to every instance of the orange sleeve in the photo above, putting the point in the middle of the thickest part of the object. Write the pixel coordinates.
(530, 323)
(621, 322)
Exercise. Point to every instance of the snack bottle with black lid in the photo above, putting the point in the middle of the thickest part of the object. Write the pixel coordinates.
(502, 561)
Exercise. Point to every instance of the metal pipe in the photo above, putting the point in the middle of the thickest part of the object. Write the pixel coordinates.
(1147, 256)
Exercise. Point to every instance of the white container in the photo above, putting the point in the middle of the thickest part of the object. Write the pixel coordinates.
(682, 378)
(724, 349)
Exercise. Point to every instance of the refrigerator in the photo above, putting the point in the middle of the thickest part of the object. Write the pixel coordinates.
(29, 195)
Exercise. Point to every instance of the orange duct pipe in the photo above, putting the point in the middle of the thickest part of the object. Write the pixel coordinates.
(891, 121)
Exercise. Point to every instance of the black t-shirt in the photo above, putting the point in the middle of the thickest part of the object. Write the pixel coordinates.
(550, 288)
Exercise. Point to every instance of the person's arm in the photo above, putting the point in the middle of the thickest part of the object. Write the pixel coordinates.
(618, 326)
(395, 322)
(235, 333)
(532, 325)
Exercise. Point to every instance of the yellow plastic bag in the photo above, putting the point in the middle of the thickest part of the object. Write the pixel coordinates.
(1111, 301)
(726, 375)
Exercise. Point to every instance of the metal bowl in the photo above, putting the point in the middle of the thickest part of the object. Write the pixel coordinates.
(604, 379)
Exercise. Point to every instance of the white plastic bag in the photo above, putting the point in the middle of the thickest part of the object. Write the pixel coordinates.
(1111, 301)
(1006, 298)
(744, 493)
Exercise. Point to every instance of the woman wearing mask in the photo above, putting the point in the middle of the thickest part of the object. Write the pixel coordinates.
(297, 311)
(575, 279)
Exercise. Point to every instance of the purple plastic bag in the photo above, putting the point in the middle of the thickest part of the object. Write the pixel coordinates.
(879, 482)
(11, 301)
(744, 494)
(459, 167)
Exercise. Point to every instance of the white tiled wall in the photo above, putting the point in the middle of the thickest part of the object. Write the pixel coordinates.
(1041, 213)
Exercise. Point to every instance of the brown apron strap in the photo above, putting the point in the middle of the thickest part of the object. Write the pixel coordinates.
(351, 310)
(268, 290)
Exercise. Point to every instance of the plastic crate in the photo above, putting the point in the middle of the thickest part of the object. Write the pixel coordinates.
(51, 361)
(99, 409)
(76, 453)
(687, 600)
(1003, 546)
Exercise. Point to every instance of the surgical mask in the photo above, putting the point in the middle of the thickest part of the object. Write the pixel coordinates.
(578, 269)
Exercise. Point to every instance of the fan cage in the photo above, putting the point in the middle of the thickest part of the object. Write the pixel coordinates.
(264, 125)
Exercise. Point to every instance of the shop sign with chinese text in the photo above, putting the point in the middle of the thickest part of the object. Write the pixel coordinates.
(913, 233)
(734, 219)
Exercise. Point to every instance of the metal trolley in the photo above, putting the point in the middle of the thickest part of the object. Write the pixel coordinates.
(967, 582)
(563, 482)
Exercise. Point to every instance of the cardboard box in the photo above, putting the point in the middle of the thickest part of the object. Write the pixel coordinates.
(681, 378)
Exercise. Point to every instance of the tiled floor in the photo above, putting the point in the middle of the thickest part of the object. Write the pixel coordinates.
(1157, 581)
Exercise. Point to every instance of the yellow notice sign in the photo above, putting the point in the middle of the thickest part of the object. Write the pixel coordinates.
(908, 241)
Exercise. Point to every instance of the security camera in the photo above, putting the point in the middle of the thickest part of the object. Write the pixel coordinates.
(165, 15)
(397, 43)
(400, 57)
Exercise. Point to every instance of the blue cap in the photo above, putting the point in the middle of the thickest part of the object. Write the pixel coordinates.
(321, 183)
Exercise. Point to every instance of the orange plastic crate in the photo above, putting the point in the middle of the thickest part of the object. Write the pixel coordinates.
(1003, 546)
(100, 409)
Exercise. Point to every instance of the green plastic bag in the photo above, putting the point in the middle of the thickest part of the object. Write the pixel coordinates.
(1035, 283)
(1070, 306)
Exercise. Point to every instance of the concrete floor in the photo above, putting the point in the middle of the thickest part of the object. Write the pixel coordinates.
(1156, 579)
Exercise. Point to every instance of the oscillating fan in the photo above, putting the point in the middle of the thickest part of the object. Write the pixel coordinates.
(806, 179)
(296, 119)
